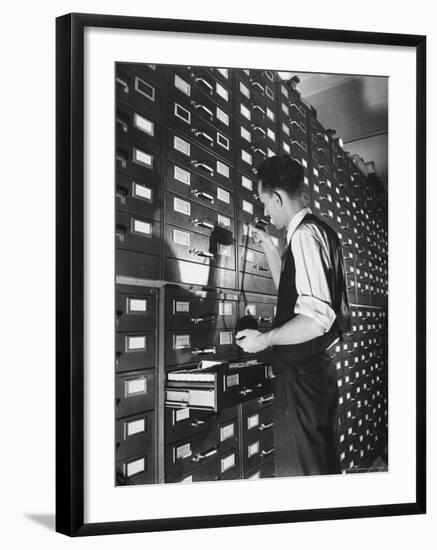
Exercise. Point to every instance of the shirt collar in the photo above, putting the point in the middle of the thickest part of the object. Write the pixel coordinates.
(295, 221)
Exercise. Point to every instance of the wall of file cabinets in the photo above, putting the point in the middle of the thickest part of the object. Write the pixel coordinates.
(188, 141)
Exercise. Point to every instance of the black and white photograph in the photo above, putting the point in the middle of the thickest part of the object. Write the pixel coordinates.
(251, 274)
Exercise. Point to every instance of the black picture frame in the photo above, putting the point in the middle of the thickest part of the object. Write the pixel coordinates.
(70, 273)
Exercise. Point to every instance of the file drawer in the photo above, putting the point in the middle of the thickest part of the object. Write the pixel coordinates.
(139, 470)
(185, 310)
(140, 88)
(135, 309)
(257, 447)
(137, 233)
(136, 265)
(138, 196)
(265, 470)
(134, 393)
(134, 350)
(138, 127)
(138, 162)
(181, 271)
(208, 84)
(135, 435)
(196, 344)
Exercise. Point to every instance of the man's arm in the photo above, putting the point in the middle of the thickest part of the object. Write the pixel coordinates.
(299, 329)
(271, 251)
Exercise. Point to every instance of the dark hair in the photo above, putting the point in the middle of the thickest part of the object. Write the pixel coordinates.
(281, 172)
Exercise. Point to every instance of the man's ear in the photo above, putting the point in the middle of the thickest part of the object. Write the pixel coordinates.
(278, 198)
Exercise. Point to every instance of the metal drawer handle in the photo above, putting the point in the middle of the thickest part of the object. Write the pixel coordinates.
(265, 319)
(198, 79)
(123, 83)
(267, 453)
(257, 107)
(203, 351)
(257, 84)
(265, 427)
(266, 399)
(259, 129)
(261, 221)
(121, 157)
(203, 108)
(259, 267)
(121, 193)
(207, 168)
(259, 150)
(121, 231)
(118, 120)
(201, 133)
(206, 318)
(201, 253)
(202, 456)
(245, 391)
(196, 423)
(202, 223)
(203, 195)
(117, 358)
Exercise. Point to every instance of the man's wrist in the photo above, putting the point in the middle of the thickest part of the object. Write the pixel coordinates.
(269, 337)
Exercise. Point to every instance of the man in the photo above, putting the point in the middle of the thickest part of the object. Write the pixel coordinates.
(312, 312)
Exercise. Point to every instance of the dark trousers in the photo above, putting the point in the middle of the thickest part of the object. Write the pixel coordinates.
(306, 397)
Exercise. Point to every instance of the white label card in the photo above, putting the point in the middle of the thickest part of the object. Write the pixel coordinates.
(183, 451)
(227, 431)
(223, 169)
(135, 467)
(143, 158)
(225, 308)
(181, 145)
(138, 385)
(134, 343)
(248, 207)
(223, 195)
(181, 237)
(136, 305)
(181, 414)
(135, 427)
(227, 463)
(232, 380)
(144, 124)
(141, 191)
(244, 90)
(142, 227)
(245, 111)
(223, 220)
(182, 175)
(253, 449)
(252, 421)
(222, 116)
(181, 341)
(222, 92)
(245, 134)
(225, 338)
(182, 85)
(247, 183)
(180, 306)
(181, 206)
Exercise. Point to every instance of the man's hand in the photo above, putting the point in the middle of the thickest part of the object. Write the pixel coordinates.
(251, 341)
(260, 237)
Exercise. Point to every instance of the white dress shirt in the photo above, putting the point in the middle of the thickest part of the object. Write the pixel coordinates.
(311, 256)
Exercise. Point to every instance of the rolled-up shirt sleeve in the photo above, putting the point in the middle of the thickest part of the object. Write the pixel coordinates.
(312, 263)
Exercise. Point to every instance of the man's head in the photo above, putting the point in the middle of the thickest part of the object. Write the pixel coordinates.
(280, 186)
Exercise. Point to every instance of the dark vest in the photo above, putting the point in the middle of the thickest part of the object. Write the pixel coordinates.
(287, 297)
